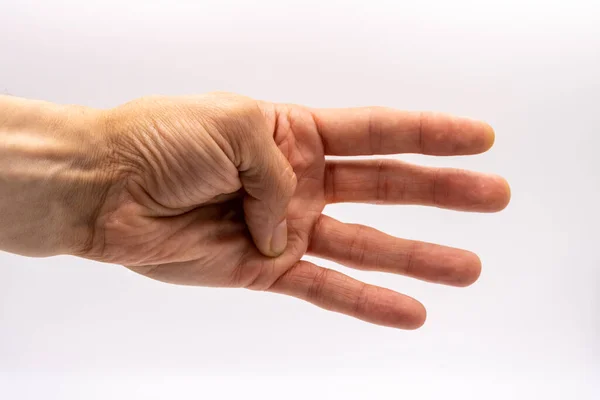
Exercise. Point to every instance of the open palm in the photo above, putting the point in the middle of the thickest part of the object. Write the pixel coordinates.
(189, 197)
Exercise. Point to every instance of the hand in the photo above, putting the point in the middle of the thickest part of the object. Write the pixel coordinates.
(194, 180)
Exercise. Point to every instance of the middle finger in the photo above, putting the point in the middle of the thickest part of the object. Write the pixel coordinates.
(394, 182)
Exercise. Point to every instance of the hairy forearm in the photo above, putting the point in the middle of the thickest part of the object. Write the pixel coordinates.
(52, 178)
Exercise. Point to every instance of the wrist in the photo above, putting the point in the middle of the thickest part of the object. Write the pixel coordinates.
(54, 174)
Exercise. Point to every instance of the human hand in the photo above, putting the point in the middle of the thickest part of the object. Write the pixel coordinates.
(196, 178)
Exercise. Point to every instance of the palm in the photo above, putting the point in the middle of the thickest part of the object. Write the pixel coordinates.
(199, 237)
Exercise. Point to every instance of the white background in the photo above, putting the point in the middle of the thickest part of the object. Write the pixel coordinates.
(529, 329)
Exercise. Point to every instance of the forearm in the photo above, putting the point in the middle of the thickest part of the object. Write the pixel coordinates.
(52, 178)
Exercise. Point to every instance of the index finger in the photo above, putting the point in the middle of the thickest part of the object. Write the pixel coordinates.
(380, 130)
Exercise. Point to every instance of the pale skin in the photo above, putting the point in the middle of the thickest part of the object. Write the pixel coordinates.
(223, 190)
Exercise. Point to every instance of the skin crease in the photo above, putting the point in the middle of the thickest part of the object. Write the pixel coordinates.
(192, 187)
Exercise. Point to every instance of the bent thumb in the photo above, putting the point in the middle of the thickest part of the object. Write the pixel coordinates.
(270, 183)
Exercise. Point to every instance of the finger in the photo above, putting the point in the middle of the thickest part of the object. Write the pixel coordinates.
(269, 182)
(365, 248)
(378, 130)
(337, 292)
(396, 182)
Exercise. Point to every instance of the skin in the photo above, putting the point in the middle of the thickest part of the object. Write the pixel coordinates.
(223, 190)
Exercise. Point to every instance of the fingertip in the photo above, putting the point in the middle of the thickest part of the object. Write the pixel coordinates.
(503, 195)
(466, 136)
(471, 271)
(492, 194)
(417, 319)
(407, 314)
(489, 135)
(267, 245)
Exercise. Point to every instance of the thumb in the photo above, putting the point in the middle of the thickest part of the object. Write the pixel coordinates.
(270, 182)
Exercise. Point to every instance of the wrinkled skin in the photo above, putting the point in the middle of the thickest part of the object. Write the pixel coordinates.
(197, 185)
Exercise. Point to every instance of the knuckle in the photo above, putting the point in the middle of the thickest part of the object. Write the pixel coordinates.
(375, 129)
(437, 190)
(361, 300)
(316, 289)
(357, 246)
(382, 185)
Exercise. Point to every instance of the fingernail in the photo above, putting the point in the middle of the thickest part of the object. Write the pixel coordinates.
(279, 238)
